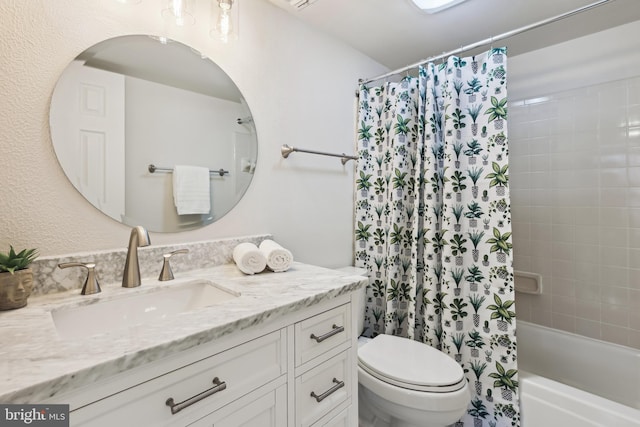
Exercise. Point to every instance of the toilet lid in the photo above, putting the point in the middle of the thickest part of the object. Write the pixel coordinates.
(410, 364)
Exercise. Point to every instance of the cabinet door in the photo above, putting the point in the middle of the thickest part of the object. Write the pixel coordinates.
(268, 410)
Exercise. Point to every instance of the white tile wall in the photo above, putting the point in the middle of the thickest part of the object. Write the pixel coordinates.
(575, 188)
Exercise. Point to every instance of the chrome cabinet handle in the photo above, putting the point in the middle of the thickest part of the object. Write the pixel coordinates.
(320, 398)
(177, 407)
(336, 330)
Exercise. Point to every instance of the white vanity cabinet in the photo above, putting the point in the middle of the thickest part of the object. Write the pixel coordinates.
(297, 370)
(323, 366)
(194, 390)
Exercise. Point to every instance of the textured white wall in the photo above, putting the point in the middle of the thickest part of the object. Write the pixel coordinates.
(299, 85)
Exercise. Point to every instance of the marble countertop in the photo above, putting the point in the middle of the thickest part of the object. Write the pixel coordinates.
(36, 363)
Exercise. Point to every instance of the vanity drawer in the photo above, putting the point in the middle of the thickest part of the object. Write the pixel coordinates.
(239, 370)
(323, 388)
(322, 332)
(257, 409)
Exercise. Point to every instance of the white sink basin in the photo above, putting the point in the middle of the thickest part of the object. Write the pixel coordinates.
(125, 311)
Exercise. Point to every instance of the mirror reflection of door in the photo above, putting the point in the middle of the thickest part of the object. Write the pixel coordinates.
(87, 111)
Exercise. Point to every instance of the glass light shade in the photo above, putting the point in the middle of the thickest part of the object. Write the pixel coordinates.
(179, 12)
(224, 20)
(433, 6)
(161, 39)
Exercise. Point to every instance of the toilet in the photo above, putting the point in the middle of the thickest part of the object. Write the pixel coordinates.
(405, 383)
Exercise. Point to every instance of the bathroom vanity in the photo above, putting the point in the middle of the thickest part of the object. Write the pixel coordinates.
(280, 352)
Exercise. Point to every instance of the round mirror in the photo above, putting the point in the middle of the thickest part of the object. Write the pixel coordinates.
(153, 133)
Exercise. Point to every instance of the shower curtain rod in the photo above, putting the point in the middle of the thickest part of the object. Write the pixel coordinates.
(489, 40)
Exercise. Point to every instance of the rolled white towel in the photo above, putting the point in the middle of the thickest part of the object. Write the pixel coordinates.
(278, 258)
(249, 258)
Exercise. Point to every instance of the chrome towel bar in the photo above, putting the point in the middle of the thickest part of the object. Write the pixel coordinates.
(153, 169)
(286, 150)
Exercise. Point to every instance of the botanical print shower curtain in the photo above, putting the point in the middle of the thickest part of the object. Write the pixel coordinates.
(433, 222)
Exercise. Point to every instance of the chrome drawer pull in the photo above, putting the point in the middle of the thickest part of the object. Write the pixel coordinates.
(177, 407)
(339, 384)
(336, 330)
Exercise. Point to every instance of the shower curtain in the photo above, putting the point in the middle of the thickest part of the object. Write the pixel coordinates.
(433, 222)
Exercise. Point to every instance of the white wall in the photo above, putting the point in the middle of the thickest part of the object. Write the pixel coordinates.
(574, 138)
(300, 88)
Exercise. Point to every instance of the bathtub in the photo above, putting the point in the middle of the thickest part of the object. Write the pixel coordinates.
(567, 380)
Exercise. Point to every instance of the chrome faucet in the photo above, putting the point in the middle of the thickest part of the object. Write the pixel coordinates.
(131, 276)
(91, 285)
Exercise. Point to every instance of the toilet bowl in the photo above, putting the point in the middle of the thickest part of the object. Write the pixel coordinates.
(405, 383)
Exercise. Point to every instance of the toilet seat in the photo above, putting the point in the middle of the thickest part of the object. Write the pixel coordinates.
(411, 365)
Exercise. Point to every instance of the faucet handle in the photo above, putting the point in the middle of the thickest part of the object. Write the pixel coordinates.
(91, 285)
(166, 273)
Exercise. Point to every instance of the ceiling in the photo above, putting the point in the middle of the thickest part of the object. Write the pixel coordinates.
(396, 33)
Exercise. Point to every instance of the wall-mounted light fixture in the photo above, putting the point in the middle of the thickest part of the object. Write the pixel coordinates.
(224, 20)
(179, 12)
(293, 4)
(224, 16)
(433, 6)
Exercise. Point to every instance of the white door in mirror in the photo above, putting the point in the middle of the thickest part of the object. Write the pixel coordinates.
(87, 109)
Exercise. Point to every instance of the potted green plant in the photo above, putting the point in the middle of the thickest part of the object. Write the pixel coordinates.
(402, 128)
(377, 315)
(478, 412)
(504, 380)
(500, 244)
(363, 183)
(458, 340)
(364, 134)
(458, 313)
(363, 233)
(497, 112)
(473, 150)
(475, 299)
(16, 278)
(478, 368)
(501, 312)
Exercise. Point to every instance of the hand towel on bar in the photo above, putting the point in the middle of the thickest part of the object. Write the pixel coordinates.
(249, 258)
(191, 193)
(278, 258)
